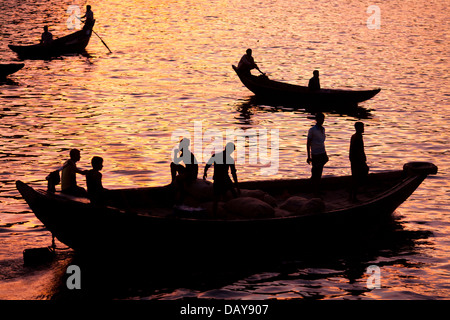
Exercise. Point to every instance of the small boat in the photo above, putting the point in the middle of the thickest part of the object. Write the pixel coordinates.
(73, 43)
(9, 68)
(144, 219)
(264, 87)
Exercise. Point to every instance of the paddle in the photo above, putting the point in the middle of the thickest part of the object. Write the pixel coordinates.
(260, 71)
(98, 37)
(102, 41)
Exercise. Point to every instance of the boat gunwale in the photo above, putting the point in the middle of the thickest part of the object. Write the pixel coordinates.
(351, 206)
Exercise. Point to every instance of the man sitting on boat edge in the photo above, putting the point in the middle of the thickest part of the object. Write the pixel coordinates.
(95, 189)
(183, 176)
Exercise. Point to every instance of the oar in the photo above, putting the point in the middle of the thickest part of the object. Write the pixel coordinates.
(98, 37)
(102, 41)
(260, 71)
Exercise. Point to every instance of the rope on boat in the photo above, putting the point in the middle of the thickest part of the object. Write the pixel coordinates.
(54, 247)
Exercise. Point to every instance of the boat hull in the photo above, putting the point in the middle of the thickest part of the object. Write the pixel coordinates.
(86, 227)
(10, 68)
(274, 90)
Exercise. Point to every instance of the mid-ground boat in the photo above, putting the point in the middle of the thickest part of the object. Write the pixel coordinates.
(73, 43)
(144, 219)
(264, 87)
(9, 68)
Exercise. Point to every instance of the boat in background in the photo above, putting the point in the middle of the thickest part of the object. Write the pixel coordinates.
(9, 68)
(144, 220)
(264, 87)
(73, 43)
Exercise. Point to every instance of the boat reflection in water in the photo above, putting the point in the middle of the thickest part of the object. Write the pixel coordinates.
(271, 105)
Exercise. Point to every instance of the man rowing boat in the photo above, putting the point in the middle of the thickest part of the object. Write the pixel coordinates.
(314, 82)
(89, 22)
(247, 63)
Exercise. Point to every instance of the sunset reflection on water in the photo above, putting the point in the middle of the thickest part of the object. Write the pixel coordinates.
(171, 66)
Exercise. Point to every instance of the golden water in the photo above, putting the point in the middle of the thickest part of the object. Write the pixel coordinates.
(171, 66)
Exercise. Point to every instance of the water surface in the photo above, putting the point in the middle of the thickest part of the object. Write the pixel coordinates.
(171, 66)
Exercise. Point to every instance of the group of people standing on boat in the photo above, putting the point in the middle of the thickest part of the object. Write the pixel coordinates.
(317, 155)
(183, 176)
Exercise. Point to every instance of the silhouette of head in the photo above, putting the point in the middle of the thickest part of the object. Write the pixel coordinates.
(316, 73)
(249, 52)
(88, 7)
(359, 127)
(320, 118)
(230, 147)
(75, 155)
(97, 163)
(184, 143)
(46, 28)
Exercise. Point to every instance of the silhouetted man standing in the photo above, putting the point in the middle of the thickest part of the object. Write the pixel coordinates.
(315, 147)
(357, 159)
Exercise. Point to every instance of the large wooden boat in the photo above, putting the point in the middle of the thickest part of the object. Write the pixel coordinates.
(264, 87)
(73, 43)
(144, 219)
(9, 68)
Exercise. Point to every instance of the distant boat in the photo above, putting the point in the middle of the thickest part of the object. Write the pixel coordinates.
(264, 87)
(73, 43)
(143, 219)
(9, 68)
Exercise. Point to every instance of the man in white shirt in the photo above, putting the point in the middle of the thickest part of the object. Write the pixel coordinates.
(317, 155)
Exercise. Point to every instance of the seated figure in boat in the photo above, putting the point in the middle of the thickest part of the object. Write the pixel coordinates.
(46, 37)
(94, 184)
(314, 82)
(223, 162)
(68, 175)
(358, 159)
(89, 15)
(183, 176)
(247, 63)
